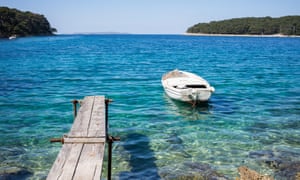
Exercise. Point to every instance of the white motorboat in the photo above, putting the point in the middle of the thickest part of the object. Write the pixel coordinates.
(12, 37)
(186, 86)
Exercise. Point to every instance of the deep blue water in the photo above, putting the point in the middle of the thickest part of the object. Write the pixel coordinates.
(252, 119)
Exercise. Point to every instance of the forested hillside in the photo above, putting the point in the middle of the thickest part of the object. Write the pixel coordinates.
(15, 22)
(287, 25)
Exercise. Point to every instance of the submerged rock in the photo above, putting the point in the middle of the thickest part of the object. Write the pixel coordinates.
(249, 174)
(266, 156)
(288, 171)
(12, 173)
(205, 170)
(262, 154)
(280, 161)
(174, 139)
(191, 170)
(176, 146)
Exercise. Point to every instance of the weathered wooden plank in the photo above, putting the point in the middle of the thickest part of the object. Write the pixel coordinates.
(97, 122)
(85, 140)
(82, 120)
(57, 167)
(90, 162)
(69, 163)
(72, 161)
(98, 170)
(81, 157)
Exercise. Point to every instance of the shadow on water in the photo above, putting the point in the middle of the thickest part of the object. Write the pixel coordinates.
(142, 160)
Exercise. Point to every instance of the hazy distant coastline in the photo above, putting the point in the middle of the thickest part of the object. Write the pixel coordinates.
(99, 33)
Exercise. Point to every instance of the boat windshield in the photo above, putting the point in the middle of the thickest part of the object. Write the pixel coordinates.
(195, 86)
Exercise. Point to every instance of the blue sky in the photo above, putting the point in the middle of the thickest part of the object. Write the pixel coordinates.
(147, 16)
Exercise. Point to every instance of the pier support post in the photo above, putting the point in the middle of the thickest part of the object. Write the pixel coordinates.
(107, 101)
(110, 140)
(74, 108)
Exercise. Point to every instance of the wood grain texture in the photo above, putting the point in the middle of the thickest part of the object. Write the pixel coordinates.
(81, 157)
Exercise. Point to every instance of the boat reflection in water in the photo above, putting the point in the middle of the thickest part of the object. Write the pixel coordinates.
(201, 111)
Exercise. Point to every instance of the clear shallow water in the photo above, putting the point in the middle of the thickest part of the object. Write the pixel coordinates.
(253, 117)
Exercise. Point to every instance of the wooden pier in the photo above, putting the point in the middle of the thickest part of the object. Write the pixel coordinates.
(82, 153)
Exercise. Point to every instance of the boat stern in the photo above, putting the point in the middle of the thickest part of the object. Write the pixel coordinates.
(201, 95)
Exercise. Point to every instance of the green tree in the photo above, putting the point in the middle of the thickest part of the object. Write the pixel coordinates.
(287, 25)
(15, 22)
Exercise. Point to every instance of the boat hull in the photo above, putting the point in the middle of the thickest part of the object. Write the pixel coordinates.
(186, 87)
(199, 95)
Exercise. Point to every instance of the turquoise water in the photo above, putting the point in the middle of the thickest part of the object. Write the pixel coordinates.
(252, 119)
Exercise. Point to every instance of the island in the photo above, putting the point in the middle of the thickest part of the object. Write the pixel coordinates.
(16, 23)
(286, 25)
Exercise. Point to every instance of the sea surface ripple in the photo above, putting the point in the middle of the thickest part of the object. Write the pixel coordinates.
(252, 119)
